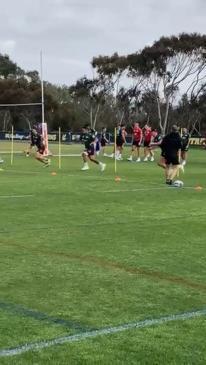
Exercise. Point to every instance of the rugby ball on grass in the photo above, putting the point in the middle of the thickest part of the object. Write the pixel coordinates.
(178, 184)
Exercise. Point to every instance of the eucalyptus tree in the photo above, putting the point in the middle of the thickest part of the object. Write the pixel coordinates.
(168, 66)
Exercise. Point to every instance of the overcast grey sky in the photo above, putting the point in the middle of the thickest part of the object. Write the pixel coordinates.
(71, 32)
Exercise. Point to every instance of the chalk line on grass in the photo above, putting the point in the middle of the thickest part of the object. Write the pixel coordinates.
(36, 346)
(68, 155)
(16, 196)
(145, 189)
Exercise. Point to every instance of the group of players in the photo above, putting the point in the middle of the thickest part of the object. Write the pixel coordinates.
(174, 147)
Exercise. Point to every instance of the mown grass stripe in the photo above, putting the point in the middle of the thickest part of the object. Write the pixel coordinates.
(101, 332)
(20, 310)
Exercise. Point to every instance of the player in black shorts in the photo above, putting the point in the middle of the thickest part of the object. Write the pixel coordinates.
(171, 148)
(185, 145)
(103, 140)
(120, 141)
(33, 136)
(88, 138)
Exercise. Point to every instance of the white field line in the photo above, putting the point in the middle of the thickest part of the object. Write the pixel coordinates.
(101, 332)
(16, 196)
(146, 189)
(68, 155)
(53, 155)
(9, 152)
(23, 172)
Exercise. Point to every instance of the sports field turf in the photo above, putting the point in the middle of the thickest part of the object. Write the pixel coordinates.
(81, 252)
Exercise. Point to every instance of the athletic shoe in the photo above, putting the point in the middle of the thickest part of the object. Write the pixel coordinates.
(85, 167)
(47, 164)
(102, 166)
(145, 159)
(152, 159)
(168, 182)
(183, 163)
(129, 158)
(138, 160)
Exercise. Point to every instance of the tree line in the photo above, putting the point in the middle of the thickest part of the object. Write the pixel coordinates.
(162, 84)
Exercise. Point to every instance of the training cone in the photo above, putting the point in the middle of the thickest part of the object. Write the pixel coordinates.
(198, 188)
(117, 178)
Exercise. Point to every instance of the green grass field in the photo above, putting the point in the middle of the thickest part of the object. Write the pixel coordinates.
(81, 252)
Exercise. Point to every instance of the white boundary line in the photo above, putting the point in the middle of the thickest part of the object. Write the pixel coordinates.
(53, 155)
(15, 196)
(146, 189)
(9, 152)
(67, 155)
(23, 172)
(105, 331)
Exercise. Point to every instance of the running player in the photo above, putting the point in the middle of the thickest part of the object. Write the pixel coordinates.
(136, 142)
(40, 144)
(185, 145)
(88, 138)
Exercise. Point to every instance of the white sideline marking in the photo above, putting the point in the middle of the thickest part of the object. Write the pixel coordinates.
(146, 189)
(9, 152)
(68, 155)
(24, 172)
(105, 331)
(16, 196)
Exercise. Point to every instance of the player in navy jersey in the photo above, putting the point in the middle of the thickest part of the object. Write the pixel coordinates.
(33, 136)
(89, 139)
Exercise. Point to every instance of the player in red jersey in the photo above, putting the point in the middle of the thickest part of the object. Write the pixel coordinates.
(136, 142)
(147, 136)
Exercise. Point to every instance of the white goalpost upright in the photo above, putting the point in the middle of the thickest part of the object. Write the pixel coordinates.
(44, 128)
(43, 124)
